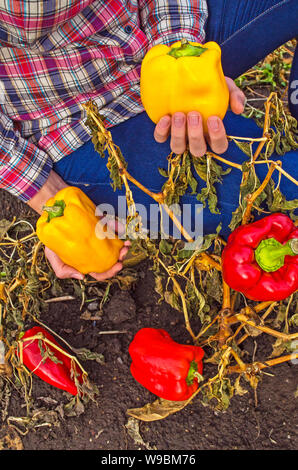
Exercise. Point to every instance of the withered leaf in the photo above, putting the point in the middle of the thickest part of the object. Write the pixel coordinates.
(239, 390)
(173, 299)
(159, 409)
(245, 147)
(293, 321)
(87, 355)
(214, 286)
(74, 407)
(279, 203)
(133, 430)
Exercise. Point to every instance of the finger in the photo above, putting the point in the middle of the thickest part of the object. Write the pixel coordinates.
(196, 140)
(62, 270)
(178, 133)
(123, 253)
(217, 137)
(237, 97)
(107, 274)
(162, 129)
(115, 226)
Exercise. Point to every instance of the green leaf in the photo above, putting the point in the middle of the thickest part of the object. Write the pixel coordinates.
(163, 172)
(245, 147)
(165, 247)
(86, 355)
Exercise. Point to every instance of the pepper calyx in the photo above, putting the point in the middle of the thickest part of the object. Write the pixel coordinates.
(193, 370)
(270, 253)
(56, 210)
(186, 50)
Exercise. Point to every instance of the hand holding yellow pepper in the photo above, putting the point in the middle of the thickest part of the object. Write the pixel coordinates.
(69, 227)
(185, 77)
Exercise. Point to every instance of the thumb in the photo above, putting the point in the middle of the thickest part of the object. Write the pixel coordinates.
(237, 97)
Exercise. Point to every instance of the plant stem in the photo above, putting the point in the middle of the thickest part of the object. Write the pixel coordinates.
(226, 304)
(258, 308)
(224, 160)
(184, 306)
(242, 318)
(265, 128)
(253, 197)
(260, 365)
(62, 351)
(158, 197)
(177, 223)
(280, 169)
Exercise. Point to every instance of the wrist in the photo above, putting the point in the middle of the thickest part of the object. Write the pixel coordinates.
(53, 184)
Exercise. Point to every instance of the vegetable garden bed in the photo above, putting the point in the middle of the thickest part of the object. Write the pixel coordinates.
(250, 408)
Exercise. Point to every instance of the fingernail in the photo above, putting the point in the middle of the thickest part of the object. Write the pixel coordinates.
(179, 121)
(78, 276)
(164, 122)
(213, 123)
(193, 119)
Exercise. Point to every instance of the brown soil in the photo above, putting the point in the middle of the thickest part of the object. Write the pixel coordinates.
(265, 420)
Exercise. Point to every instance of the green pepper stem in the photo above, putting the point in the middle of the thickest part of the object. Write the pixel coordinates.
(186, 50)
(270, 254)
(193, 369)
(56, 210)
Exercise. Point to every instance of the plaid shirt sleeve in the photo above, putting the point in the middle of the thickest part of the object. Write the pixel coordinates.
(167, 21)
(57, 55)
(24, 168)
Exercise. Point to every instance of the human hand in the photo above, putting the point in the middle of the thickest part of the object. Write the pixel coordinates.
(64, 271)
(190, 128)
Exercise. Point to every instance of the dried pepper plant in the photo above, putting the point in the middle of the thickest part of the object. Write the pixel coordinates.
(27, 286)
(191, 281)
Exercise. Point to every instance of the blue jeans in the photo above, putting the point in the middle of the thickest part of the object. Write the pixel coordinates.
(247, 32)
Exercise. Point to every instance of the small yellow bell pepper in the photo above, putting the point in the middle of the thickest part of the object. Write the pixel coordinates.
(187, 76)
(68, 226)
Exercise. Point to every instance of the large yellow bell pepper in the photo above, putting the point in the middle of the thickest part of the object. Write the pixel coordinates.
(187, 76)
(69, 227)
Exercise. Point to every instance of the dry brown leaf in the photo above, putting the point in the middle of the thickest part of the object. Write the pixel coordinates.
(159, 409)
(133, 430)
(239, 390)
(133, 258)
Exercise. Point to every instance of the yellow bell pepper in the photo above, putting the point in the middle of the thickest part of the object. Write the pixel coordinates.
(68, 226)
(187, 76)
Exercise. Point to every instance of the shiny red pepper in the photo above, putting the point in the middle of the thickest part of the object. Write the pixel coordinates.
(56, 370)
(260, 259)
(168, 369)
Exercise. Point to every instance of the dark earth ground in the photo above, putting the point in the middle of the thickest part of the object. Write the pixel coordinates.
(270, 423)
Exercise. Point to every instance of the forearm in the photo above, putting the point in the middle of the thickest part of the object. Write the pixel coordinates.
(52, 185)
(165, 22)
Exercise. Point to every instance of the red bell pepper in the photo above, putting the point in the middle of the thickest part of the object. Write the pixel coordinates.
(54, 367)
(260, 259)
(168, 369)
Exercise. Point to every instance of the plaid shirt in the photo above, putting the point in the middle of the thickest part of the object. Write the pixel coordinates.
(56, 55)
